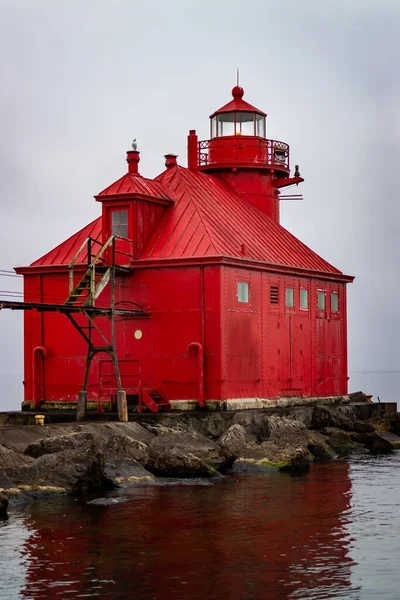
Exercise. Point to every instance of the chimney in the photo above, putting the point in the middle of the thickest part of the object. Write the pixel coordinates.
(193, 150)
(132, 158)
(170, 160)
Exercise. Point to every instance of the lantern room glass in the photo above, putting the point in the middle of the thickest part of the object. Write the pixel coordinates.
(261, 130)
(238, 123)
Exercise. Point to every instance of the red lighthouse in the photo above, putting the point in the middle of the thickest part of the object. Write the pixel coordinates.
(187, 290)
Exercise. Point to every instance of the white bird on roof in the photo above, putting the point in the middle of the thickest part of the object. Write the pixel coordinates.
(134, 144)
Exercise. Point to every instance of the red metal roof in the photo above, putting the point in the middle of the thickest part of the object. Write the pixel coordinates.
(65, 252)
(135, 185)
(238, 104)
(209, 219)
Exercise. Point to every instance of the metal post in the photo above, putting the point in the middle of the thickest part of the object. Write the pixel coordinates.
(87, 368)
(82, 402)
(122, 406)
(113, 337)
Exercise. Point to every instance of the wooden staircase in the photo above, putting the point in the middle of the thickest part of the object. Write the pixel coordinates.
(153, 400)
(90, 286)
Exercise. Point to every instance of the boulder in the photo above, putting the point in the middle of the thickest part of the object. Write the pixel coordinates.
(383, 442)
(283, 431)
(11, 462)
(286, 444)
(340, 441)
(362, 427)
(77, 469)
(394, 423)
(340, 417)
(319, 447)
(125, 460)
(3, 506)
(59, 443)
(269, 455)
(184, 454)
(233, 442)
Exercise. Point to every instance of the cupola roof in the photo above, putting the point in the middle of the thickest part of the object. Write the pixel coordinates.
(238, 104)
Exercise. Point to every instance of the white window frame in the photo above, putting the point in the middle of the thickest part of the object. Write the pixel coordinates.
(335, 293)
(286, 297)
(323, 292)
(243, 291)
(307, 298)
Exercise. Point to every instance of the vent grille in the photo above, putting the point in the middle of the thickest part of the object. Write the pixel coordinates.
(274, 294)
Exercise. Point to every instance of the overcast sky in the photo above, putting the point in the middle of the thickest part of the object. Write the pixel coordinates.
(80, 79)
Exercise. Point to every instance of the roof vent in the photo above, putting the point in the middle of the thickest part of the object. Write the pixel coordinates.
(133, 158)
(170, 160)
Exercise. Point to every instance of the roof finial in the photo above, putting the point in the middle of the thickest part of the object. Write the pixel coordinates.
(237, 76)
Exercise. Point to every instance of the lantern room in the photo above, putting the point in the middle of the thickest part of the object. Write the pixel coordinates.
(238, 118)
(238, 139)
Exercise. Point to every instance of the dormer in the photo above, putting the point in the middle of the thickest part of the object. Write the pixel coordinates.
(131, 209)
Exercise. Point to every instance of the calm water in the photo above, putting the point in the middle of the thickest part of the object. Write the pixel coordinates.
(333, 533)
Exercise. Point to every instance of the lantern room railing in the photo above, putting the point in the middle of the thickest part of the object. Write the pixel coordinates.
(246, 151)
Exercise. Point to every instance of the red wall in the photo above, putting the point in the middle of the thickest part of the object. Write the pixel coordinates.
(254, 349)
(185, 308)
(272, 351)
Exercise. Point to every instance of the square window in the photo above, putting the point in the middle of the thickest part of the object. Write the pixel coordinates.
(242, 291)
(289, 297)
(119, 222)
(304, 299)
(321, 300)
(334, 302)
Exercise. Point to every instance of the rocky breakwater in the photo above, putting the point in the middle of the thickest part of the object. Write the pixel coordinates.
(88, 457)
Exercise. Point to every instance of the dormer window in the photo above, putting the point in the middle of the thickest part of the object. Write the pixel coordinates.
(119, 223)
(238, 123)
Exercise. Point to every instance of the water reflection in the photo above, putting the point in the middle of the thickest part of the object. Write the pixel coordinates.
(260, 536)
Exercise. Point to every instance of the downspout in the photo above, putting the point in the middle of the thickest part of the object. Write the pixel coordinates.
(200, 366)
(35, 352)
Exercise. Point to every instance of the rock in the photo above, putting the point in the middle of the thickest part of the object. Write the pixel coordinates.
(268, 455)
(284, 445)
(233, 442)
(340, 441)
(125, 460)
(59, 443)
(319, 447)
(340, 417)
(358, 397)
(361, 427)
(78, 469)
(361, 438)
(383, 442)
(10, 462)
(283, 431)
(184, 454)
(394, 423)
(3, 506)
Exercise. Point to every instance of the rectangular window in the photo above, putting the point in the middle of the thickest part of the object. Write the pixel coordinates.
(321, 300)
(304, 299)
(274, 294)
(242, 291)
(119, 222)
(290, 297)
(214, 127)
(334, 302)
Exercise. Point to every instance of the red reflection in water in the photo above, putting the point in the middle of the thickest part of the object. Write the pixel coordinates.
(262, 536)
